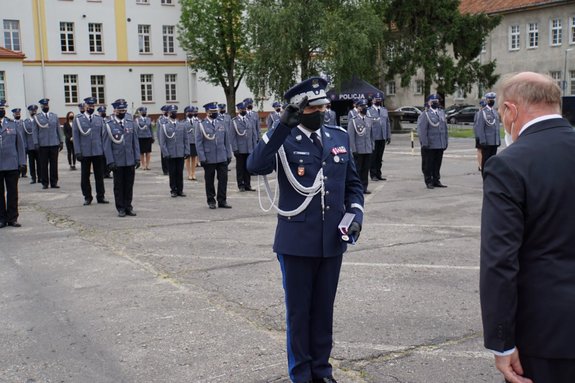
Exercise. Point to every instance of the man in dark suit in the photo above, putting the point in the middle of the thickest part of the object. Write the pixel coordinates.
(527, 277)
(318, 184)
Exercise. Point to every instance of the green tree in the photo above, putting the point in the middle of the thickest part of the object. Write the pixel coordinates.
(213, 34)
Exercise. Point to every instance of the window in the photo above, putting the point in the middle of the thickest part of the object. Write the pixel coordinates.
(571, 83)
(532, 35)
(484, 46)
(171, 88)
(556, 75)
(418, 87)
(146, 87)
(12, 35)
(556, 32)
(70, 88)
(168, 33)
(95, 37)
(390, 91)
(144, 38)
(2, 85)
(98, 89)
(142, 1)
(67, 37)
(572, 30)
(514, 40)
(167, 2)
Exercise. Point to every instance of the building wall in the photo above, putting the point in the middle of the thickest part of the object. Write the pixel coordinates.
(13, 79)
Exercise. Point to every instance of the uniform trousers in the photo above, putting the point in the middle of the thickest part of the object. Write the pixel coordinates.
(33, 166)
(541, 370)
(209, 174)
(124, 187)
(176, 172)
(487, 151)
(242, 175)
(9, 196)
(48, 159)
(362, 163)
(377, 159)
(98, 163)
(431, 164)
(310, 286)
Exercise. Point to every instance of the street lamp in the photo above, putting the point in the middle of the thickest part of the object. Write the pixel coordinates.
(565, 71)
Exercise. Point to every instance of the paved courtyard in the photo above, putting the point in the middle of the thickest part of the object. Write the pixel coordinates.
(182, 293)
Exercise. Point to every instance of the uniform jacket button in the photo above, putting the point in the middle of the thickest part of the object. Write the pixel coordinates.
(327, 207)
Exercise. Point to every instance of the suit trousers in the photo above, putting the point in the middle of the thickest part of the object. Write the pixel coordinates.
(176, 172)
(242, 175)
(9, 196)
(98, 163)
(362, 162)
(487, 151)
(124, 187)
(209, 175)
(33, 165)
(310, 286)
(48, 159)
(431, 164)
(541, 370)
(377, 159)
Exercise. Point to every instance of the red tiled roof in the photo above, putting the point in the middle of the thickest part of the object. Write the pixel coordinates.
(499, 6)
(8, 54)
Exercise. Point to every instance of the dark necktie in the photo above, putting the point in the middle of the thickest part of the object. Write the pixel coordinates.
(316, 141)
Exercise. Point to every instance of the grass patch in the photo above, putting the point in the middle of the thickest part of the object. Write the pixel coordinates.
(466, 132)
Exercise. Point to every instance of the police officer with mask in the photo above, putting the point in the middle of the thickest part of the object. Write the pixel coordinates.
(274, 116)
(318, 185)
(330, 116)
(50, 144)
(88, 131)
(122, 152)
(432, 131)
(175, 148)
(145, 137)
(12, 161)
(253, 114)
(191, 124)
(381, 135)
(243, 138)
(360, 130)
(486, 128)
(16, 113)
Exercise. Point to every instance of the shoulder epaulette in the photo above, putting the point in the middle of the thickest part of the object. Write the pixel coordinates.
(335, 127)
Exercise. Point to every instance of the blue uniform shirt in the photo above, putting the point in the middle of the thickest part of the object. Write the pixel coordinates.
(12, 152)
(174, 139)
(88, 135)
(212, 142)
(314, 231)
(121, 144)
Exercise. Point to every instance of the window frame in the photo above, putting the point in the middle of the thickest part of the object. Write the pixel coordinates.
(68, 37)
(3, 91)
(556, 32)
(93, 38)
(12, 35)
(168, 40)
(70, 88)
(147, 88)
(391, 88)
(171, 87)
(144, 38)
(95, 88)
(535, 34)
(514, 37)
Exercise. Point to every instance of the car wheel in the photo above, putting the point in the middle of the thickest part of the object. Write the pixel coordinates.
(452, 120)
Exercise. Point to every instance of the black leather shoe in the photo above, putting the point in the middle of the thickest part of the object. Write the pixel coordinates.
(44, 186)
(121, 213)
(381, 178)
(327, 379)
(87, 202)
(181, 195)
(212, 205)
(174, 195)
(374, 179)
(242, 189)
(55, 187)
(224, 205)
(103, 201)
(14, 224)
(130, 213)
(250, 189)
(33, 181)
(439, 185)
(2, 224)
(366, 192)
(430, 186)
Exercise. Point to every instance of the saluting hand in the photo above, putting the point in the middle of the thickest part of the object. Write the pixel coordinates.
(291, 115)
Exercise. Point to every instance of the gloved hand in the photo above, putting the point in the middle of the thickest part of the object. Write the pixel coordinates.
(79, 157)
(203, 164)
(229, 160)
(137, 164)
(186, 156)
(291, 115)
(236, 152)
(112, 166)
(23, 168)
(388, 141)
(60, 147)
(354, 230)
(167, 157)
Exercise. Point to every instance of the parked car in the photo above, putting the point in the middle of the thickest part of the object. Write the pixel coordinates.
(462, 115)
(455, 108)
(409, 113)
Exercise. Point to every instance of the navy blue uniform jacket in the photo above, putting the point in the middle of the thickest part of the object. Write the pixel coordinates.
(306, 234)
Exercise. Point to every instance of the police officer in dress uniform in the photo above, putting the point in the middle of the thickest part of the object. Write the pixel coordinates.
(318, 184)
(161, 119)
(215, 154)
(226, 118)
(360, 130)
(175, 148)
(482, 104)
(486, 128)
(243, 138)
(354, 111)
(122, 152)
(432, 131)
(330, 116)
(50, 144)
(381, 131)
(12, 160)
(16, 113)
(274, 117)
(253, 115)
(102, 112)
(191, 123)
(145, 137)
(88, 132)
(31, 143)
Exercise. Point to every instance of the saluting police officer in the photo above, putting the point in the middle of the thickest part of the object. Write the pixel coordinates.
(432, 131)
(330, 116)
(243, 138)
(191, 123)
(175, 148)
(88, 132)
(12, 160)
(274, 116)
(381, 131)
(318, 184)
(486, 128)
(145, 137)
(31, 143)
(16, 113)
(122, 152)
(215, 154)
(360, 130)
(50, 144)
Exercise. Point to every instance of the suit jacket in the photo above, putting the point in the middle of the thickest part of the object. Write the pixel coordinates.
(126, 150)
(243, 135)
(308, 234)
(212, 142)
(330, 118)
(144, 125)
(47, 129)
(527, 277)
(361, 135)
(381, 129)
(174, 139)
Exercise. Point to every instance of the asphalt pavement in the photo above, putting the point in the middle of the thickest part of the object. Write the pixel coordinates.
(182, 293)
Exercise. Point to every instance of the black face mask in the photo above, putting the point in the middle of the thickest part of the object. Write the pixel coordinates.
(194, 115)
(278, 110)
(222, 112)
(378, 103)
(312, 121)
(45, 109)
(144, 114)
(16, 118)
(490, 103)
(250, 107)
(103, 115)
(2, 113)
(90, 111)
(121, 115)
(363, 110)
(190, 115)
(434, 106)
(213, 116)
(243, 113)
(173, 115)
